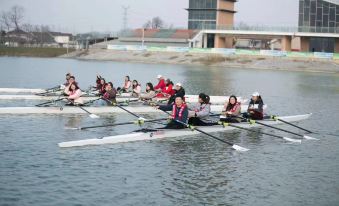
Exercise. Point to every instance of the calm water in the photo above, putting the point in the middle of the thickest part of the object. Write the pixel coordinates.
(193, 170)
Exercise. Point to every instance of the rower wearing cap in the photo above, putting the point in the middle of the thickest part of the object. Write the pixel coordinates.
(179, 112)
(231, 110)
(255, 108)
(199, 112)
(179, 91)
(75, 94)
(161, 84)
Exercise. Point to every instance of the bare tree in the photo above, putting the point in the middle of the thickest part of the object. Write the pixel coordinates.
(147, 25)
(27, 27)
(6, 20)
(17, 15)
(155, 23)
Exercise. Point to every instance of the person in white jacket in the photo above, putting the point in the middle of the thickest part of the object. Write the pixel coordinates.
(199, 112)
(75, 94)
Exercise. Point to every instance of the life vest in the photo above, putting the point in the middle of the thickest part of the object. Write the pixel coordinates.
(235, 107)
(174, 111)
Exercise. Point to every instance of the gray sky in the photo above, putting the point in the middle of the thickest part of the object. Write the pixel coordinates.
(107, 15)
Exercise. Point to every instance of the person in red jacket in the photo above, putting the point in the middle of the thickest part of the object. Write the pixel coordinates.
(168, 91)
(161, 84)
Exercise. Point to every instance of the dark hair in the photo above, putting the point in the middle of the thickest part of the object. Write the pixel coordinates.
(229, 105)
(72, 77)
(110, 83)
(151, 88)
(103, 79)
(76, 87)
(68, 74)
(128, 78)
(136, 85)
(205, 98)
(169, 82)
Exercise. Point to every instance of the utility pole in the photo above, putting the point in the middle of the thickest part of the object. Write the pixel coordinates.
(125, 17)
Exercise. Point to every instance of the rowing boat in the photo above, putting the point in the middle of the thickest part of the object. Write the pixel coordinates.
(21, 90)
(123, 98)
(95, 110)
(161, 134)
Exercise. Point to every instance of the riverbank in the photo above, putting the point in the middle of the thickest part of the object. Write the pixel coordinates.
(234, 61)
(33, 52)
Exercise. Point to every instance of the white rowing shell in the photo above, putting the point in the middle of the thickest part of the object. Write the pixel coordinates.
(161, 134)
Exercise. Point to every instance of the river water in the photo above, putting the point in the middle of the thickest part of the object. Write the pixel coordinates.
(193, 170)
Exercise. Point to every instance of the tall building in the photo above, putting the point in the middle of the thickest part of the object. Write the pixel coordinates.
(321, 16)
(210, 14)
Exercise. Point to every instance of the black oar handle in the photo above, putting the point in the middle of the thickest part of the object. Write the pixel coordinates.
(48, 102)
(293, 125)
(199, 130)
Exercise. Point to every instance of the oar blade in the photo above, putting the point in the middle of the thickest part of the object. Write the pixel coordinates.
(72, 128)
(310, 138)
(292, 140)
(238, 148)
(94, 116)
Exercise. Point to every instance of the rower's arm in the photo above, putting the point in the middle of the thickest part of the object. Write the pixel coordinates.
(166, 107)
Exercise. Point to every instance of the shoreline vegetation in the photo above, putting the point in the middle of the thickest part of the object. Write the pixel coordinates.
(200, 59)
(211, 60)
(33, 51)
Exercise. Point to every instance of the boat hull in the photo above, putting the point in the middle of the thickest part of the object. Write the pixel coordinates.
(161, 134)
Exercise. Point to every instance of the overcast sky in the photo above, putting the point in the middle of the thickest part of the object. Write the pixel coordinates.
(107, 15)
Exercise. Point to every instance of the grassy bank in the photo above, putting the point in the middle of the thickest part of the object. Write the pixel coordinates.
(33, 52)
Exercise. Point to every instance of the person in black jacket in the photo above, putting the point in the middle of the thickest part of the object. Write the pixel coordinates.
(179, 92)
(255, 108)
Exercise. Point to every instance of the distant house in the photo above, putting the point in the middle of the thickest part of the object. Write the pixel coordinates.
(19, 37)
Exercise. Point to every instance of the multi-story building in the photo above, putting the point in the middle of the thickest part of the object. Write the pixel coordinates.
(210, 14)
(321, 16)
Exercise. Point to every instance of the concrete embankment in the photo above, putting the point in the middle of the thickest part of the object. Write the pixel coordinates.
(234, 61)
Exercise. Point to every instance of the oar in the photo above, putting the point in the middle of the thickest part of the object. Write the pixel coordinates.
(137, 122)
(264, 133)
(49, 102)
(276, 118)
(91, 101)
(283, 130)
(49, 90)
(234, 146)
(91, 115)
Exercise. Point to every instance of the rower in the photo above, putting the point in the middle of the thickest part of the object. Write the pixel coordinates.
(161, 84)
(101, 87)
(127, 86)
(199, 112)
(255, 108)
(179, 91)
(98, 82)
(136, 88)
(168, 90)
(179, 112)
(75, 95)
(71, 80)
(109, 96)
(149, 94)
(231, 110)
(68, 76)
